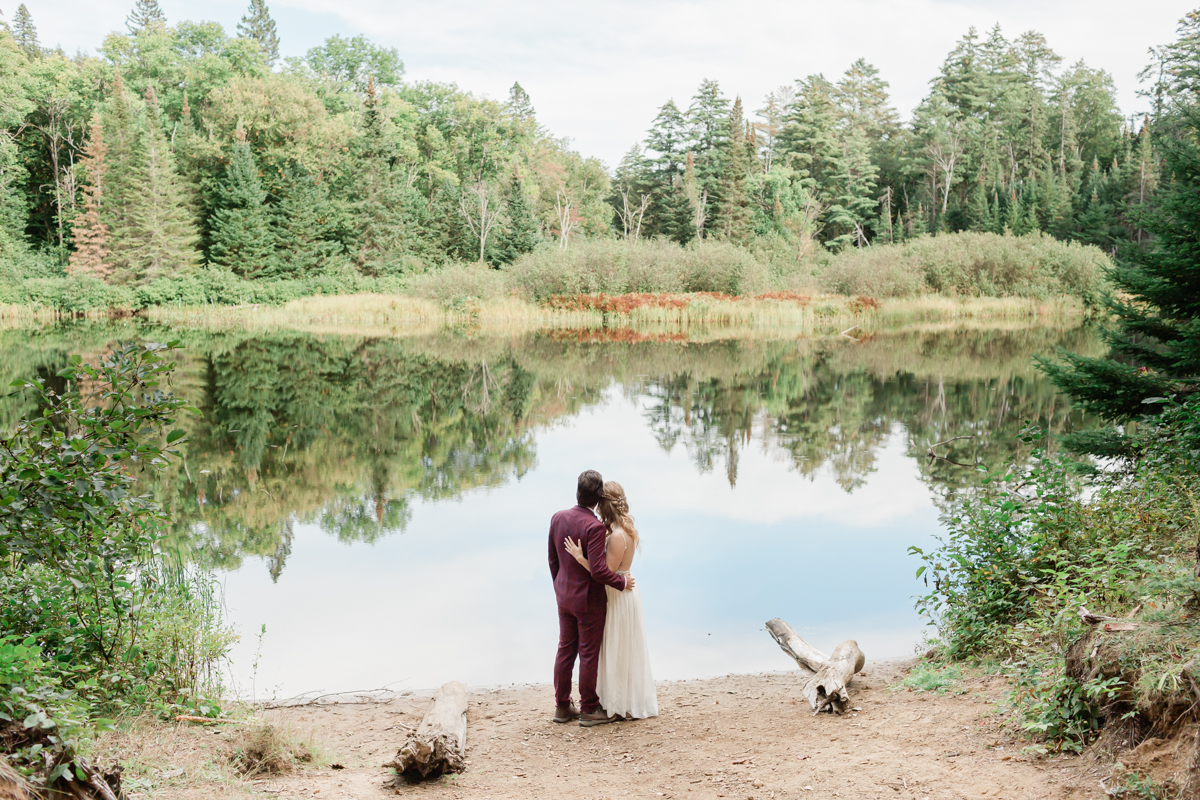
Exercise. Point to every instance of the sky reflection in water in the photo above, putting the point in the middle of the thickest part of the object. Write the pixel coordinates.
(464, 592)
(381, 504)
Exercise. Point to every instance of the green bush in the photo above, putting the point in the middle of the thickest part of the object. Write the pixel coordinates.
(94, 621)
(973, 264)
(617, 267)
(459, 282)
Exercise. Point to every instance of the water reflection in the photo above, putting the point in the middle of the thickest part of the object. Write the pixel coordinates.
(313, 452)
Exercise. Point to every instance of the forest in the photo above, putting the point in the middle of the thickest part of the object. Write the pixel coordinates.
(181, 149)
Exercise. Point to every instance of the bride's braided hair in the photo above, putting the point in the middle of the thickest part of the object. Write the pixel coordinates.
(614, 510)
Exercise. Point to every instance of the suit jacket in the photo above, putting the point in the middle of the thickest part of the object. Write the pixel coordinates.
(579, 592)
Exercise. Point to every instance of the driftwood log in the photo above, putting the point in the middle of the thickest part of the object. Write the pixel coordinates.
(825, 690)
(439, 744)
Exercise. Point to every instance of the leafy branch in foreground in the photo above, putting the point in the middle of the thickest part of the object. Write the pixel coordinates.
(96, 621)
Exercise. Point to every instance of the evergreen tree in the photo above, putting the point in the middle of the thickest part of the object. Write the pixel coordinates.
(305, 228)
(241, 238)
(670, 213)
(733, 216)
(1012, 214)
(708, 123)
(258, 25)
(1155, 345)
(145, 14)
(25, 33)
(853, 191)
(124, 180)
(521, 233)
(90, 232)
(519, 104)
(379, 197)
(809, 142)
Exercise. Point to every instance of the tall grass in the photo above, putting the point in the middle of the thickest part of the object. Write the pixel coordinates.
(697, 317)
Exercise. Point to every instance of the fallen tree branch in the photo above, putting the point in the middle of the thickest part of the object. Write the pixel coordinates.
(825, 690)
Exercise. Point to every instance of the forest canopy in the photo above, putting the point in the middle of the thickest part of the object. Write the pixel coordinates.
(180, 147)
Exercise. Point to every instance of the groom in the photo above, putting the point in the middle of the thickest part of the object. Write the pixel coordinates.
(582, 602)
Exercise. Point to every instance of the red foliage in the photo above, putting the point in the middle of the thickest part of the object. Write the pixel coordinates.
(627, 335)
(625, 303)
(802, 299)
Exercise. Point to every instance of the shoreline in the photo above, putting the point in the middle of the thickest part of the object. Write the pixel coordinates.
(738, 736)
(695, 316)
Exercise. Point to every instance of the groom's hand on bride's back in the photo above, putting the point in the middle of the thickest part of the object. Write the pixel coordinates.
(629, 583)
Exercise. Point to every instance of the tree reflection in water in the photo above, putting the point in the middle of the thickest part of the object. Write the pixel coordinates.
(348, 432)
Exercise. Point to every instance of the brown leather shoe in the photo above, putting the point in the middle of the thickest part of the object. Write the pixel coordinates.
(566, 713)
(597, 717)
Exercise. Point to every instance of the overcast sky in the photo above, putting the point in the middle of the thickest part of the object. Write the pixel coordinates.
(598, 70)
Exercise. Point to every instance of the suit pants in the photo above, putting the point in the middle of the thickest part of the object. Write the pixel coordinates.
(578, 635)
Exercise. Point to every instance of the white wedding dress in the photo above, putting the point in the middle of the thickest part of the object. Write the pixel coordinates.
(625, 685)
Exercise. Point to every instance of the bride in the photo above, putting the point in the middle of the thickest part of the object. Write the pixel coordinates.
(625, 685)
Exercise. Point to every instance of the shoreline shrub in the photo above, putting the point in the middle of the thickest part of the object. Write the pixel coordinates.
(973, 264)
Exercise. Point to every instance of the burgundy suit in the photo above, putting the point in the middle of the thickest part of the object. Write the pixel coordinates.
(582, 603)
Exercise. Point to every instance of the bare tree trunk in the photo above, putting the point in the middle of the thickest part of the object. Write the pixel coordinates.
(826, 689)
(439, 744)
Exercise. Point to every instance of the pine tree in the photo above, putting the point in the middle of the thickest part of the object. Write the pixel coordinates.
(90, 232)
(379, 199)
(1012, 214)
(519, 104)
(809, 141)
(733, 215)
(125, 180)
(670, 213)
(1156, 341)
(853, 192)
(708, 122)
(167, 225)
(521, 235)
(304, 228)
(25, 33)
(145, 14)
(258, 25)
(241, 237)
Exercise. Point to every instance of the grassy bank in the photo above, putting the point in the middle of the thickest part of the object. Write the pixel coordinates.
(1025, 557)
(696, 315)
(1033, 267)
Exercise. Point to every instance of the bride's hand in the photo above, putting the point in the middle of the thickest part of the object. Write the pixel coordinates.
(573, 549)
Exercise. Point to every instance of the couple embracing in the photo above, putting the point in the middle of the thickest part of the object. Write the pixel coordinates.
(599, 609)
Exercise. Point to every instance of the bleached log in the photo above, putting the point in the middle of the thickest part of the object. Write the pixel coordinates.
(439, 744)
(825, 690)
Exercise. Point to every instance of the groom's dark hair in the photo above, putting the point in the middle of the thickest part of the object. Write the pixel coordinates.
(587, 493)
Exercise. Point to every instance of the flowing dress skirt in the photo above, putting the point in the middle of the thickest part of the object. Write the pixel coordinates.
(625, 685)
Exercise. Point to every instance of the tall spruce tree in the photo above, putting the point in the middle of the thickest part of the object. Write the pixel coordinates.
(258, 25)
(241, 238)
(25, 33)
(124, 180)
(708, 122)
(733, 215)
(305, 228)
(379, 195)
(520, 234)
(1155, 343)
(145, 14)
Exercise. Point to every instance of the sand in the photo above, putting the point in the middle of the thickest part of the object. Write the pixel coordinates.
(742, 736)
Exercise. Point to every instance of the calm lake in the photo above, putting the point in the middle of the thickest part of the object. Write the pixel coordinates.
(380, 505)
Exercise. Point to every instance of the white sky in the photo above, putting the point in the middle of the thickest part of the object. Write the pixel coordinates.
(598, 71)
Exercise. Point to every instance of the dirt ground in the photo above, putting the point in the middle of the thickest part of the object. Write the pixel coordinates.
(746, 736)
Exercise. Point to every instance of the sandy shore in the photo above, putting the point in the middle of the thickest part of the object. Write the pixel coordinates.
(742, 736)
